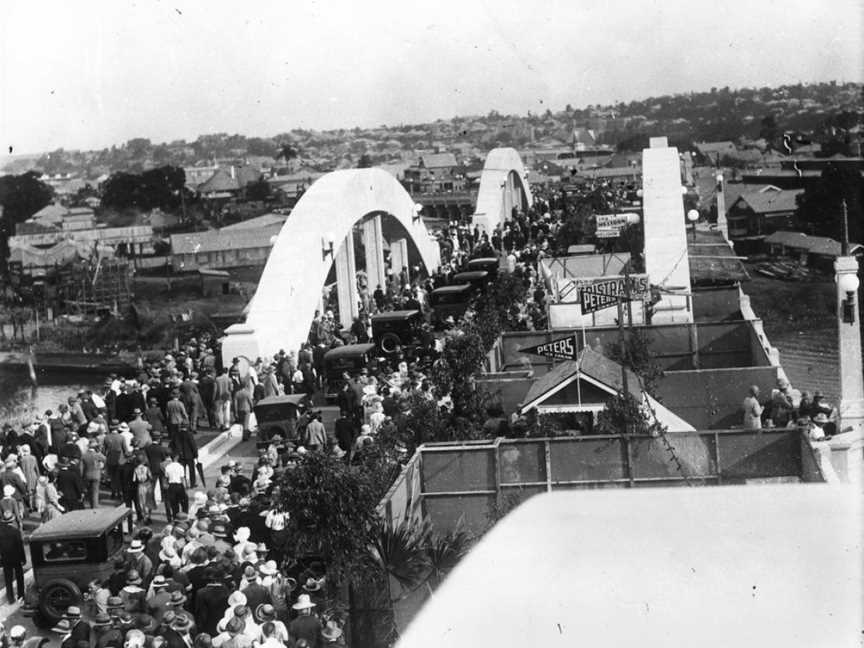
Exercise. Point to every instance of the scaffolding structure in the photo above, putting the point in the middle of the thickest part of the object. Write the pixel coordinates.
(96, 285)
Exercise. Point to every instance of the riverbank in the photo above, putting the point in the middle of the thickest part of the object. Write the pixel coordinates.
(103, 364)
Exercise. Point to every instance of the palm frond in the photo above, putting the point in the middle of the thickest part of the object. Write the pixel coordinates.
(401, 552)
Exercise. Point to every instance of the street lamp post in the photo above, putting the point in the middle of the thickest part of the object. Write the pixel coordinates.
(846, 446)
(693, 216)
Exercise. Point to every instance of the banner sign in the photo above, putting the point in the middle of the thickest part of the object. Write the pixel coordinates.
(566, 348)
(605, 293)
(607, 233)
(570, 290)
(612, 221)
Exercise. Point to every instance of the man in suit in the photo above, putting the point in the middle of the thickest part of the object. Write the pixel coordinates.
(115, 449)
(12, 555)
(92, 462)
(70, 484)
(178, 633)
(211, 602)
(80, 629)
(175, 414)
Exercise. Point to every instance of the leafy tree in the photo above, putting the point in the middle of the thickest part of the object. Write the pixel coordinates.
(769, 129)
(21, 196)
(364, 162)
(160, 187)
(287, 152)
(259, 190)
(623, 414)
(333, 510)
(260, 146)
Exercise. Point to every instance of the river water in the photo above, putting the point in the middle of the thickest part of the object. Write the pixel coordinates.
(20, 400)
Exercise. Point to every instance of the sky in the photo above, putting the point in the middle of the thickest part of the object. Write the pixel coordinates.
(89, 74)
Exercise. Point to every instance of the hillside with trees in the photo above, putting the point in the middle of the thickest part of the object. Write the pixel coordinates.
(829, 113)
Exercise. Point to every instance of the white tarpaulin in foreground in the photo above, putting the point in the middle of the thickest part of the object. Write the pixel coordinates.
(721, 566)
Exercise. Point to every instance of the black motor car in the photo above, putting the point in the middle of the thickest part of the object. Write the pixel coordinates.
(397, 330)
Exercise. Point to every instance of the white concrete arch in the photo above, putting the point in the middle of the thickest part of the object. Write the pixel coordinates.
(281, 311)
(503, 185)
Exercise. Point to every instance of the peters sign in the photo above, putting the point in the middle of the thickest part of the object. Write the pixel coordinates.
(570, 290)
(566, 348)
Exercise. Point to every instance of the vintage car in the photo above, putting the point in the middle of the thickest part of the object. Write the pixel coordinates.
(477, 278)
(279, 415)
(450, 301)
(396, 330)
(489, 264)
(350, 359)
(69, 552)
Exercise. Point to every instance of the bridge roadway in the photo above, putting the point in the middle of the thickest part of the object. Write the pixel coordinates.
(244, 452)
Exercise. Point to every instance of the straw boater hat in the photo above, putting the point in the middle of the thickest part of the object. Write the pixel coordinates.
(181, 623)
(159, 582)
(312, 585)
(102, 619)
(268, 568)
(72, 612)
(265, 612)
(133, 577)
(136, 547)
(303, 603)
(331, 631)
(820, 418)
(177, 599)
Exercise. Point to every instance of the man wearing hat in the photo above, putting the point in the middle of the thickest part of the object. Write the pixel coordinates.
(256, 594)
(92, 462)
(211, 602)
(70, 485)
(331, 635)
(175, 414)
(158, 602)
(140, 429)
(12, 555)
(306, 626)
(79, 629)
(102, 626)
(178, 633)
(114, 453)
(137, 559)
(817, 427)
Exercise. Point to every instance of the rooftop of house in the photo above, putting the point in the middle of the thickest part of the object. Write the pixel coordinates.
(437, 160)
(710, 148)
(812, 244)
(590, 364)
(770, 200)
(215, 240)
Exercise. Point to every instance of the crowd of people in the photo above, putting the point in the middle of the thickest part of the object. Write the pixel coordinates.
(789, 407)
(215, 576)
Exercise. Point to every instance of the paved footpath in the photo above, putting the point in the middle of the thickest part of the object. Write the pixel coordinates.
(213, 457)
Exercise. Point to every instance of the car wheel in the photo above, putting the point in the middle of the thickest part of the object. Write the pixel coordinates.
(390, 343)
(55, 597)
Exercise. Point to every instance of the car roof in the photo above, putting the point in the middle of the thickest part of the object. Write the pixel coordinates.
(293, 399)
(86, 523)
(452, 289)
(394, 315)
(483, 261)
(471, 274)
(348, 350)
